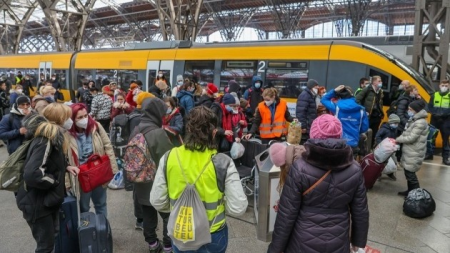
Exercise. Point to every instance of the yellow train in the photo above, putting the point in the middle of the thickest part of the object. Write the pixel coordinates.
(286, 65)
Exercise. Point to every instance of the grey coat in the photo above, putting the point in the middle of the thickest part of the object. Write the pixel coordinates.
(414, 140)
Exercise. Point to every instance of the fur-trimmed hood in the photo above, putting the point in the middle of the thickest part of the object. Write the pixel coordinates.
(38, 126)
(328, 154)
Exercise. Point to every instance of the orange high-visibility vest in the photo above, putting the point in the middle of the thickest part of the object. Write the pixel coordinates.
(272, 129)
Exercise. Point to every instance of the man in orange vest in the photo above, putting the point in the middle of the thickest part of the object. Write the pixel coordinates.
(270, 117)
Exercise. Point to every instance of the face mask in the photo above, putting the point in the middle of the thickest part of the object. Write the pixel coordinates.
(315, 90)
(53, 78)
(268, 103)
(169, 110)
(68, 124)
(380, 85)
(135, 98)
(228, 108)
(191, 89)
(23, 111)
(27, 78)
(19, 91)
(160, 75)
(82, 123)
(400, 87)
(235, 111)
(216, 95)
(444, 89)
(410, 114)
(412, 95)
(303, 87)
(257, 85)
(394, 126)
(51, 99)
(180, 83)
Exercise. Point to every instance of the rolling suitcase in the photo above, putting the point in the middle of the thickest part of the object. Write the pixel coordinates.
(67, 239)
(371, 170)
(94, 234)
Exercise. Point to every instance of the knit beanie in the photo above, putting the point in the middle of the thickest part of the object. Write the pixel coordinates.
(393, 118)
(417, 105)
(236, 99)
(141, 97)
(326, 126)
(312, 83)
(211, 88)
(277, 154)
(22, 100)
(228, 99)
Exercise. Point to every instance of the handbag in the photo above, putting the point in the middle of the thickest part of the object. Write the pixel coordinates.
(95, 172)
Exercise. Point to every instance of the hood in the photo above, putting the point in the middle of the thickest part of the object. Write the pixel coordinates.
(420, 115)
(154, 109)
(204, 99)
(257, 78)
(15, 110)
(154, 90)
(339, 154)
(53, 132)
(349, 105)
(183, 93)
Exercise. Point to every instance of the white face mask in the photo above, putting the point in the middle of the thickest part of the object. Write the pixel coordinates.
(268, 103)
(68, 124)
(160, 75)
(400, 87)
(23, 111)
(235, 111)
(315, 90)
(19, 91)
(135, 98)
(444, 89)
(82, 123)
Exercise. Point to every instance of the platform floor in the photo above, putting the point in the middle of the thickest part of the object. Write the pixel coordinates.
(390, 230)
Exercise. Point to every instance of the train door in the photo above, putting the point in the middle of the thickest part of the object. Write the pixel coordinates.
(167, 68)
(45, 68)
(152, 71)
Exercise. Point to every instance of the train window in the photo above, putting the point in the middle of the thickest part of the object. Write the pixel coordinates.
(386, 85)
(60, 77)
(151, 76)
(83, 76)
(121, 76)
(240, 71)
(287, 77)
(203, 71)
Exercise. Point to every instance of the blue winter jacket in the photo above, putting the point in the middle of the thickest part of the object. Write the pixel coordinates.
(186, 99)
(9, 129)
(353, 117)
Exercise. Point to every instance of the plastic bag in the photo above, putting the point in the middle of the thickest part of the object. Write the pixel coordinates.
(117, 182)
(294, 135)
(419, 204)
(384, 150)
(237, 150)
(391, 167)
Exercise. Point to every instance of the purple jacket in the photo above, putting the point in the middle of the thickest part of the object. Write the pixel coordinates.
(320, 220)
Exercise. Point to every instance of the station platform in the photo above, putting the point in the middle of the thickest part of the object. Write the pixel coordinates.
(390, 230)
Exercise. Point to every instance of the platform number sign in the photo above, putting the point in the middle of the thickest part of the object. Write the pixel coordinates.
(261, 66)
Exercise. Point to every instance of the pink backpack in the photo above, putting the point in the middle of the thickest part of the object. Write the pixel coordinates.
(139, 165)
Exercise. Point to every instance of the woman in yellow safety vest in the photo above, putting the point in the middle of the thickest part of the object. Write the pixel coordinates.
(270, 117)
(216, 176)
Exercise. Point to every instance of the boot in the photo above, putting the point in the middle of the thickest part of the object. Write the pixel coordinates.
(405, 193)
(445, 161)
(429, 157)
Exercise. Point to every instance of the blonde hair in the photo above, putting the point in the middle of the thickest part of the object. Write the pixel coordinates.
(57, 113)
(376, 78)
(46, 90)
(270, 92)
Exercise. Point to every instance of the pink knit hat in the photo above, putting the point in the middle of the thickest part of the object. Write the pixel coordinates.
(277, 154)
(326, 126)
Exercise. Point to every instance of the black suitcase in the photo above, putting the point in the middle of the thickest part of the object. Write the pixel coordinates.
(94, 234)
(67, 239)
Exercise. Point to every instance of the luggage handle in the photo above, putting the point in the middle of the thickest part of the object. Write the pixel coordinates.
(93, 159)
(76, 186)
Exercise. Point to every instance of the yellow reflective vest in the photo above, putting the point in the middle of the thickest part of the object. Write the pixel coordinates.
(441, 101)
(207, 187)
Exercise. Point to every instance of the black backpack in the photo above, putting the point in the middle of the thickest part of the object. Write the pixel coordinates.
(392, 108)
(120, 129)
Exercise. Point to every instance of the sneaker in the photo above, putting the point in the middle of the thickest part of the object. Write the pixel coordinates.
(392, 176)
(139, 225)
(167, 249)
(157, 248)
(428, 157)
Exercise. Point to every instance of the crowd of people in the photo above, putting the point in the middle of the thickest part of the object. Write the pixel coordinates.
(188, 126)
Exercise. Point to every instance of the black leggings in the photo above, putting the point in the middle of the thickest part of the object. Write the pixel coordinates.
(44, 231)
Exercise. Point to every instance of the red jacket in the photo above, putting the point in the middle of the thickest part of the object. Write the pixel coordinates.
(129, 98)
(126, 109)
(235, 118)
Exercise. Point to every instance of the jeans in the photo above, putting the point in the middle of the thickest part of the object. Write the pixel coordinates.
(98, 196)
(44, 231)
(150, 216)
(219, 243)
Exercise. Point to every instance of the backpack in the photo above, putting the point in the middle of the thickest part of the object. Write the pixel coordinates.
(392, 108)
(188, 224)
(11, 170)
(120, 129)
(139, 165)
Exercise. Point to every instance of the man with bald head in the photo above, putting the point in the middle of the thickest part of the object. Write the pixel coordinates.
(396, 92)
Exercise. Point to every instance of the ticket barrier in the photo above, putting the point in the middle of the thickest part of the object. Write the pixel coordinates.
(266, 196)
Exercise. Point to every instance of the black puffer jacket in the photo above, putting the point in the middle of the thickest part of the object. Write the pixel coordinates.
(402, 110)
(44, 192)
(306, 110)
(319, 221)
(205, 100)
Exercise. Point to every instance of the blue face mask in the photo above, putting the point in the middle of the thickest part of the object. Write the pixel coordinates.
(410, 114)
(228, 108)
(394, 126)
(257, 85)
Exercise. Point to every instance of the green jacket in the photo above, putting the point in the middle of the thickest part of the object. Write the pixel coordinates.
(369, 99)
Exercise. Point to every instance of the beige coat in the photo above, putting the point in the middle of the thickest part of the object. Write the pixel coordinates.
(101, 145)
